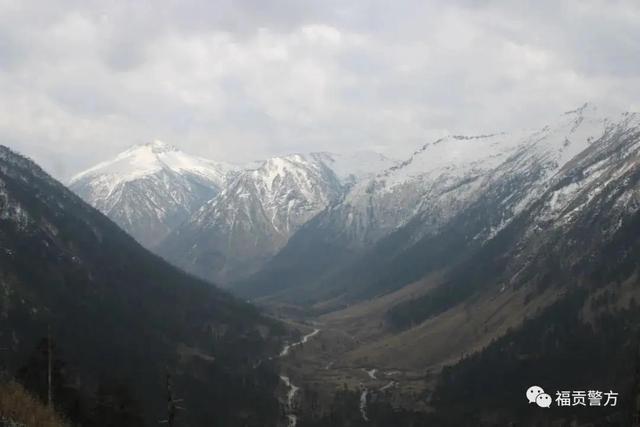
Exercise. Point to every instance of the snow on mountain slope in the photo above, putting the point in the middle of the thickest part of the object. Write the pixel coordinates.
(150, 188)
(525, 176)
(602, 178)
(458, 192)
(353, 167)
(444, 177)
(581, 226)
(253, 217)
(146, 159)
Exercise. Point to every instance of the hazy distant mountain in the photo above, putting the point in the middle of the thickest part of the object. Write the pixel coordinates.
(151, 188)
(253, 217)
(121, 315)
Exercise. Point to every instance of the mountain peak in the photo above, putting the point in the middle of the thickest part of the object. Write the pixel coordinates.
(157, 147)
(154, 148)
(146, 159)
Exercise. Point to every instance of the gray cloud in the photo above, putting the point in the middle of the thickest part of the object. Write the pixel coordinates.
(243, 79)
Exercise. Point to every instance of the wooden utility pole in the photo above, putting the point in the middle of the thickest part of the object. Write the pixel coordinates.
(49, 369)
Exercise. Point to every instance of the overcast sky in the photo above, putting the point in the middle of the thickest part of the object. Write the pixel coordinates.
(238, 80)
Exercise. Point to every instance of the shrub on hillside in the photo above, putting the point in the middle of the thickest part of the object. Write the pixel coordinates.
(18, 408)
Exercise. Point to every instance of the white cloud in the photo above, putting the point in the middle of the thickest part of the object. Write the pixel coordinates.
(236, 80)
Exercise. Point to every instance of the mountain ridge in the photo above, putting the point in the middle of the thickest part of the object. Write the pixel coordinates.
(517, 177)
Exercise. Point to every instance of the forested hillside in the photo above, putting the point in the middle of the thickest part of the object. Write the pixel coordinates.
(121, 320)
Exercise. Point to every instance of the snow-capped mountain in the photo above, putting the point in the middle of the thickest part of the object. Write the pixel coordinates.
(151, 188)
(472, 187)
(233, 234)
(587, 203)
(444, 177)
(580, 232)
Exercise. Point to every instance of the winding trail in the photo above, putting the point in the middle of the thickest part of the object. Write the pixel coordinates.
(293, 389)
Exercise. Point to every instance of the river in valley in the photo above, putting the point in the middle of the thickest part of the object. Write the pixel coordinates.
(292, 389)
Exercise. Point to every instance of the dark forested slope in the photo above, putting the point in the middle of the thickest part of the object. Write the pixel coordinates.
(120, 317)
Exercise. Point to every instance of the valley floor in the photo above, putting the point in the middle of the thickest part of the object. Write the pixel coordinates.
(354, 349)
(317, 367)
